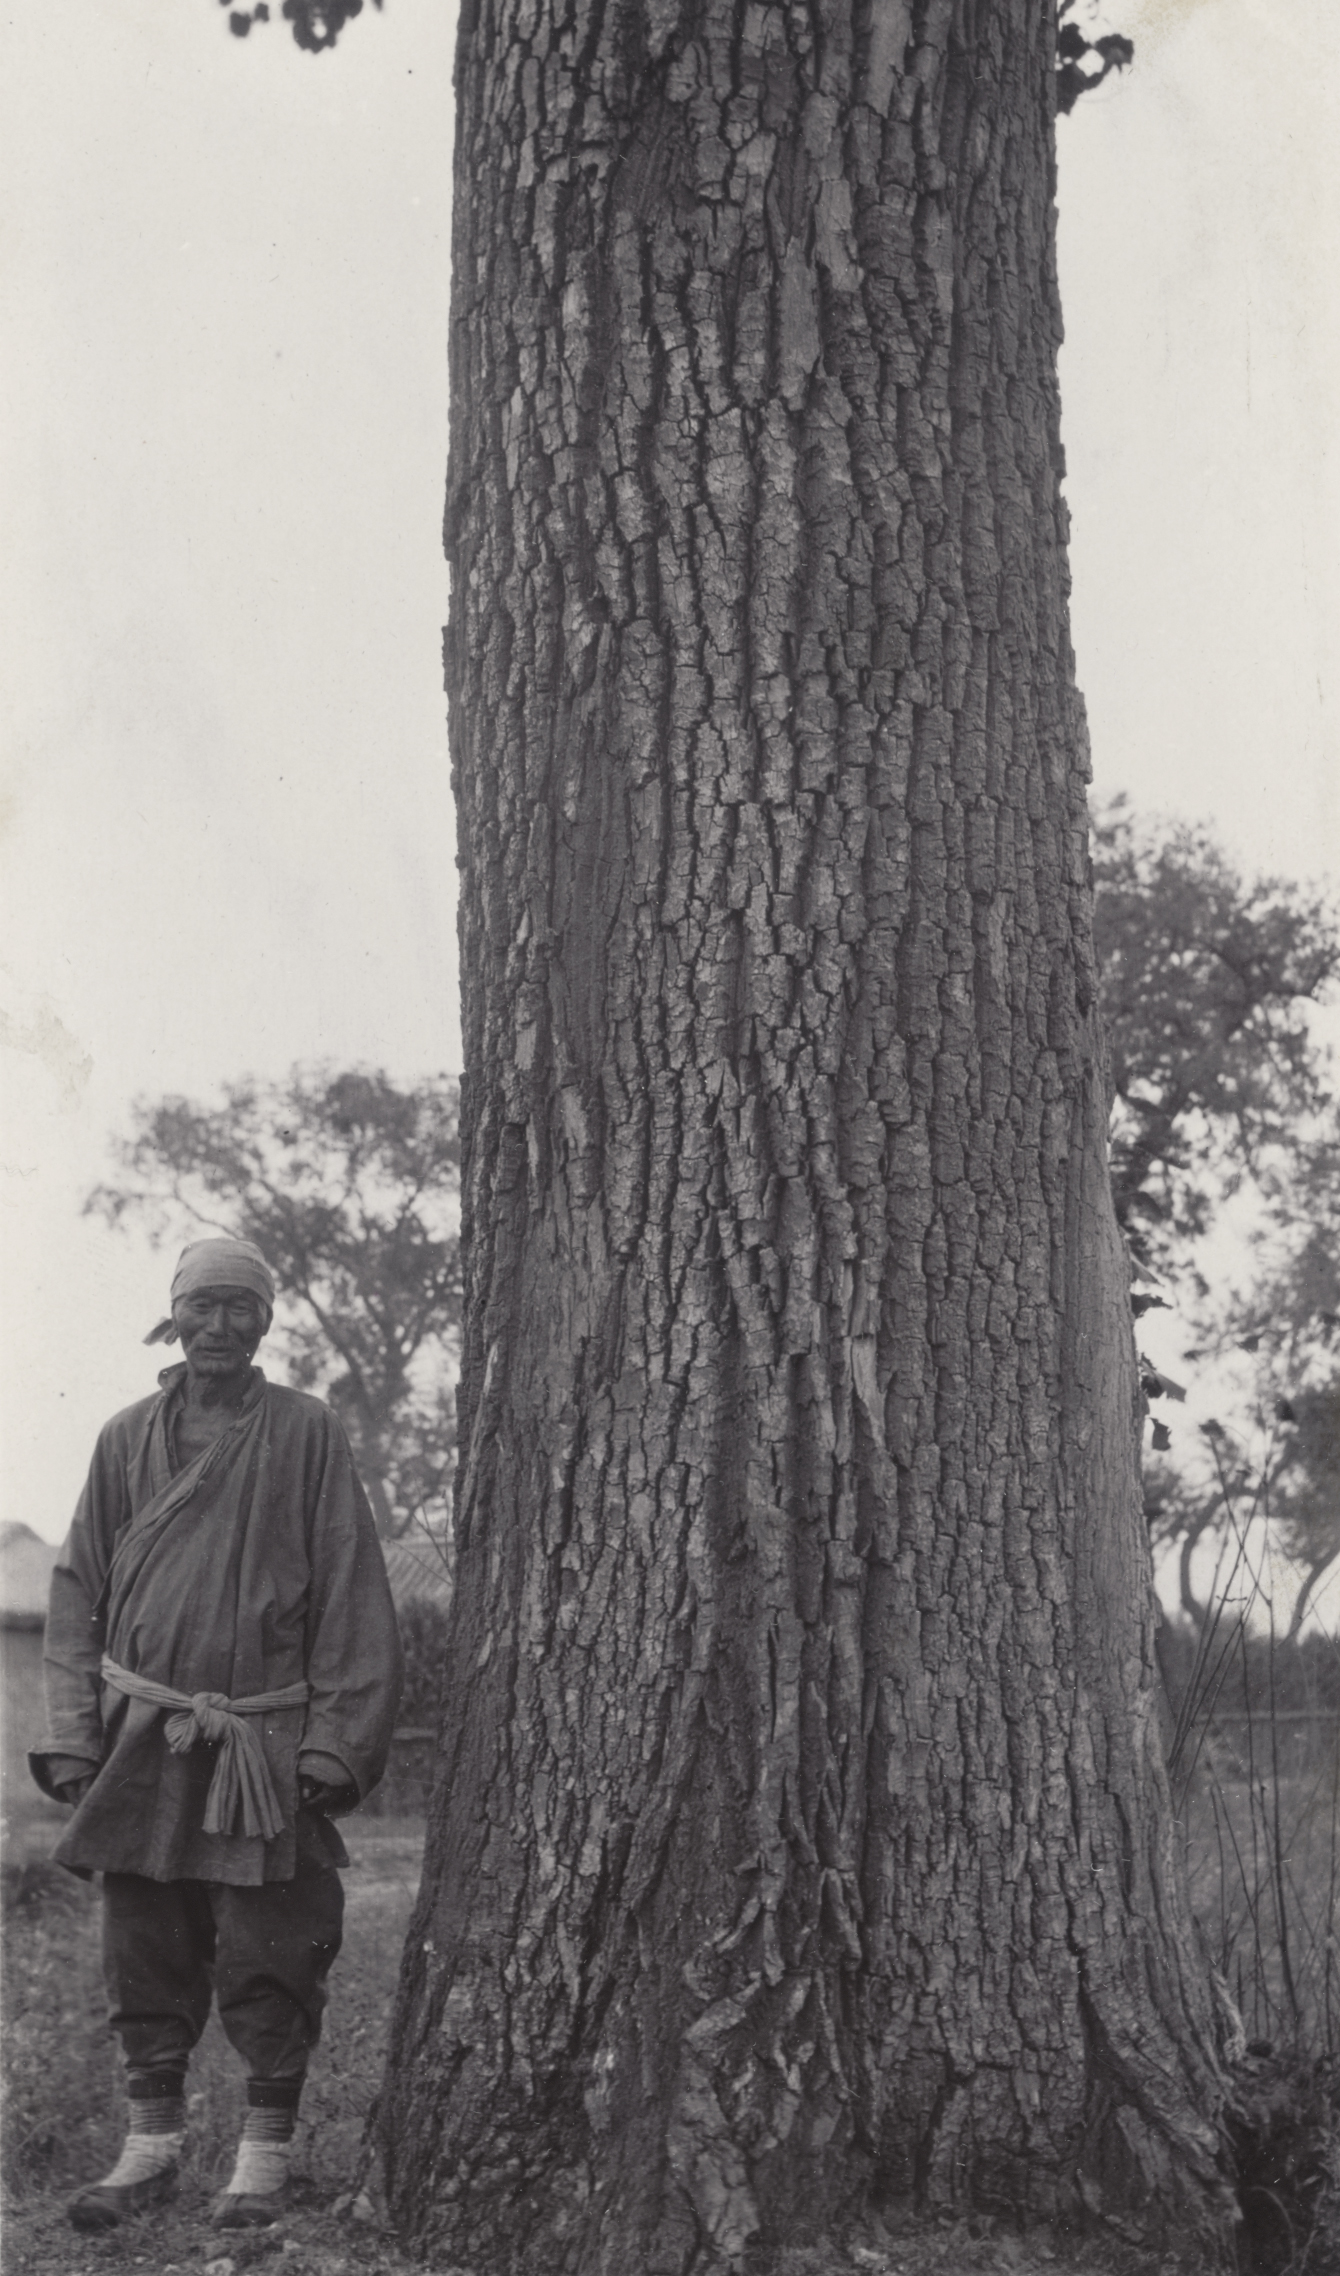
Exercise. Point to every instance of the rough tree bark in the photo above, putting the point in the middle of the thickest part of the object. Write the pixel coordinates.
(802, 1832)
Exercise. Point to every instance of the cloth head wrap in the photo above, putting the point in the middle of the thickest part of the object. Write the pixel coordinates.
(220, 1263)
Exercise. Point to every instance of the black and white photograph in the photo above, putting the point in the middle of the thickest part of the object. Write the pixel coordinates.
(670, 1127)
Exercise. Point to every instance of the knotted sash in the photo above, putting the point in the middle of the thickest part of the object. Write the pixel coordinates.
(241, 1778)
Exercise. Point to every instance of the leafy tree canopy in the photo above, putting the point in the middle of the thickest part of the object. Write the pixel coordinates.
(349, 1185)
(1206, 982)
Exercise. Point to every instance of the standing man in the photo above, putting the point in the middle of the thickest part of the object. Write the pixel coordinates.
(223, 1669)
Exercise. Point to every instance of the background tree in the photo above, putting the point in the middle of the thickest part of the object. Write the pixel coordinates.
(801, 1836)
(1276, 1464)
(350, 1186)
(1306, 1499)
(1288, 1323)
(1206, 980)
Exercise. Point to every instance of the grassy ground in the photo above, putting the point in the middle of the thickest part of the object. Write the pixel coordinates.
(1263, 1868)
(1262, 1833)
(64, 2116)
(64, 2105)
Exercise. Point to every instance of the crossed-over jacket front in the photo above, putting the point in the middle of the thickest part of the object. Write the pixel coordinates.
(248, 1570)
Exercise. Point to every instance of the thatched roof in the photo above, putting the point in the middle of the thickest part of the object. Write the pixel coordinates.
(25, 1576)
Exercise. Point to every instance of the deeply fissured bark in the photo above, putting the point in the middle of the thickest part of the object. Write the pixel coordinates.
(801, 1833)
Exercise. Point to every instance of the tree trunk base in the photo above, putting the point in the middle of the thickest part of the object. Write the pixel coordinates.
(556, 2201)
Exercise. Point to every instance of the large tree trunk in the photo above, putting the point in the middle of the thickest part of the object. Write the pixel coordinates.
(802, 1830)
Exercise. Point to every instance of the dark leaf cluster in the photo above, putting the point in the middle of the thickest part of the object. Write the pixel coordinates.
(1083, 64)
(316, 24)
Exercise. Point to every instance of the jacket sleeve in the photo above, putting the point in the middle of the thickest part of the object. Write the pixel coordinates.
(76, 1626)
(353, 1657)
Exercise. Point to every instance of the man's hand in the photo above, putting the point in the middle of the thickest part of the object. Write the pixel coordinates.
(324, 1783)
(71, 1775)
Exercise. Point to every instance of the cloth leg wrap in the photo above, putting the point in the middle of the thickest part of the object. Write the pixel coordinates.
(157, 2101)
(157, 2132)
(267, 2138)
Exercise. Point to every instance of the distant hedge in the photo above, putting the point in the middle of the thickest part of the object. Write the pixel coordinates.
(423, 1629)
(1303, 1676)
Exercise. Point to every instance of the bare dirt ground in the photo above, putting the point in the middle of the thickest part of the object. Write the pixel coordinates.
(317, 2239)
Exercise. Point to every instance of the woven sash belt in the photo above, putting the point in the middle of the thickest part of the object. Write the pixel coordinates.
(241, 1778)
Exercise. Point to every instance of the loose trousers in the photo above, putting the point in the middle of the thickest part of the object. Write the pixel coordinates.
(263, 1952)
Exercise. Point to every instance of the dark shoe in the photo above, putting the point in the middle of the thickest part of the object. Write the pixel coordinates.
(232, 2211)
(102, 2206)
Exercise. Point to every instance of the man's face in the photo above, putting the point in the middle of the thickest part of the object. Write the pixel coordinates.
(219, 1328)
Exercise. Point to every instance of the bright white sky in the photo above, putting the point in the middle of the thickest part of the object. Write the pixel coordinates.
(227, 834)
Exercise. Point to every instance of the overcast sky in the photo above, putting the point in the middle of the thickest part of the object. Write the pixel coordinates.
(227, 833)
